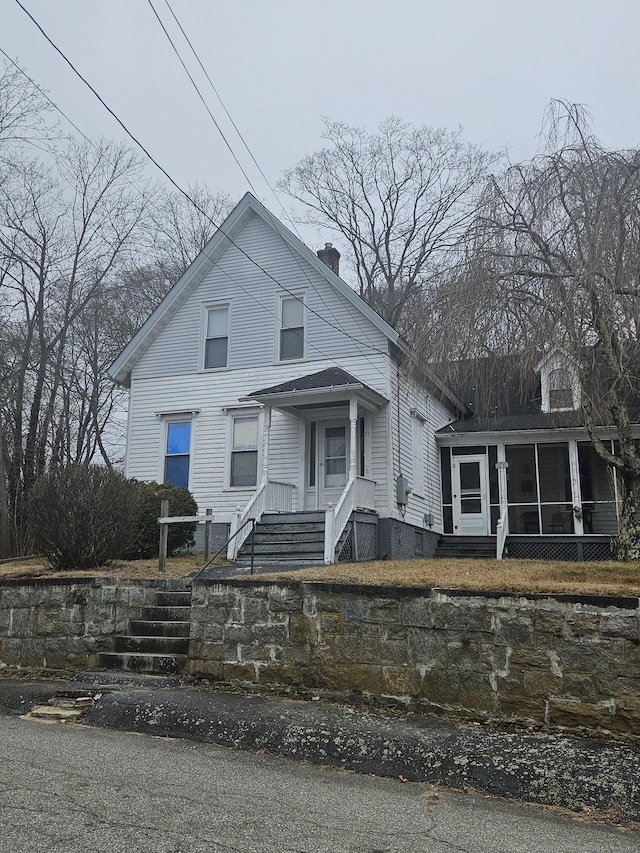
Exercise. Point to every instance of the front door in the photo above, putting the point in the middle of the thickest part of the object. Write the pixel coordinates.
(470, 497)
(333, 461)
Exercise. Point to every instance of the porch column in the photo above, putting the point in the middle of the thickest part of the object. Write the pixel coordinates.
(265, 443)
(576, 493)
(502, 466)
(353, 420)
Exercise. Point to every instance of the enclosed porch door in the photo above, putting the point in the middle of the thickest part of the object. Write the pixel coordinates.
(470, 495)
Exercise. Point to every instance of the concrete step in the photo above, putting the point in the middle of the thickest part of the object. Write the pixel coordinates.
(173, 599)
(144, 628)
(148, 662)
(166, 614)
(159, 645)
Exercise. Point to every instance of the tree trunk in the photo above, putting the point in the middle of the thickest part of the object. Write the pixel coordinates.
(626, 545)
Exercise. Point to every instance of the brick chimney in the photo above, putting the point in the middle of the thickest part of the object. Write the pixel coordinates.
(330, 257)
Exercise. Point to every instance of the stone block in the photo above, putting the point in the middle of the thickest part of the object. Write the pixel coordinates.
(344, 648)
(366, 629)
(427, 646)
(401, 681)
(375, 650)
(278, 674)
(366, 678)
(579, 686)
(469, 690)
(580, 624)
(611, 684)
(384, 610)
(515, 706)
(302, 629)
(327, 602)
(11, 652)
(461, 617)
(515, 631)
(334, 677)
(416, 612)
(463, 656)
(273, 634)
(354, 608)
(567, 712)
(544, 684)
(493, 657)
(585, 655)
(299, 655)
(255, 610)
(218, 614)
(284, 599)
(239, 672)
(205, 669)
(550, 622)
(627, 715)
(238, 633)
(331, 623)
(254, 652)
(621, 624)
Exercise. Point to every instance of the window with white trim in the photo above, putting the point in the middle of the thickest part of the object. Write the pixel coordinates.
(244, 451)
(560, 389)
(216, 342)
(177, 453)
(291, 337)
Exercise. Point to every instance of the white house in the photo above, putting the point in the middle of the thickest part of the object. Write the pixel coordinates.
(269, 388)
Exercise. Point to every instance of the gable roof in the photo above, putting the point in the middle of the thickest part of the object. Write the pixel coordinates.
(313, 389)
(225, 236)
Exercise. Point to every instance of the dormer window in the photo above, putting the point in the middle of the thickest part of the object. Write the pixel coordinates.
(559, 383)
(560, 389)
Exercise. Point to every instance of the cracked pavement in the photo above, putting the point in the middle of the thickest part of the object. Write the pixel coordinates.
(69, 788)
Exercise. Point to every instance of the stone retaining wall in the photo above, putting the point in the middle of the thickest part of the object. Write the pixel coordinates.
(559, 661)
(62, 624)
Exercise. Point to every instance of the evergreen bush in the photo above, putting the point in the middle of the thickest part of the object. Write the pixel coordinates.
(181, 502)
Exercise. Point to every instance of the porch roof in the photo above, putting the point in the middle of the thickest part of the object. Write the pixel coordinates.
(327, 387)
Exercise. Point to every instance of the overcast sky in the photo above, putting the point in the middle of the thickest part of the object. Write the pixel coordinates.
(490, 66)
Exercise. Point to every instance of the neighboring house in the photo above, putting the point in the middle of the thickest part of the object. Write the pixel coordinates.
(520, 463)
(266, 385)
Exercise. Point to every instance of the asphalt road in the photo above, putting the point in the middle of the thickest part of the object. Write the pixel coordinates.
(67, 788)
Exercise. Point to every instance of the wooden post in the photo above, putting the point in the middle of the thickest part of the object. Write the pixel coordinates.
(207, 535)
(164, 534)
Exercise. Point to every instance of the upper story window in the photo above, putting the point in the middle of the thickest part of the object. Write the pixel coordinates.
(291, 342)
(216, 343)
(559, 381)
(177, 453)
(560, 389)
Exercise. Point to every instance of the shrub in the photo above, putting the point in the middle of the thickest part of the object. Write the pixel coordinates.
(83, 516)
(181, 502)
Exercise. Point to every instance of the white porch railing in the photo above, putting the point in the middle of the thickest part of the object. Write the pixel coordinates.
(502, 531)
(270, 496)
(358, 493)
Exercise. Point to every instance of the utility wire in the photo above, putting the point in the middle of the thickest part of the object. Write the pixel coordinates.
(196, 205)
(242, 139)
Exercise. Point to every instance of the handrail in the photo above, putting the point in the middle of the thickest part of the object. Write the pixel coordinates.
(502, 530)
(357, 492)
(251, 521)
(271, 495)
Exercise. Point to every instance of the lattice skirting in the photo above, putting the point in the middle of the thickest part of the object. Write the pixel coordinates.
(537, 548)
(360, 541)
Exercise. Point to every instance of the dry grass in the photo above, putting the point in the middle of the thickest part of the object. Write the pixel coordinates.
(609, 578)
(39, 567)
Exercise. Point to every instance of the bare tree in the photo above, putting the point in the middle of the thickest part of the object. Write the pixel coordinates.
(402, 199)
(556, 262)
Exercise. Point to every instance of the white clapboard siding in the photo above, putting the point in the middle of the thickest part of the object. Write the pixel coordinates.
(335, 328)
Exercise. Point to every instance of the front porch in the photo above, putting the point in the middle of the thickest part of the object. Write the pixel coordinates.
(330, 415)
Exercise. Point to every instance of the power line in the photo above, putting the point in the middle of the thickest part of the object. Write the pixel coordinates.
(195, 204)
(266, 180)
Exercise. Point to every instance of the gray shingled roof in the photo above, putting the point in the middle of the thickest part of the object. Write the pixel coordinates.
(332, 377)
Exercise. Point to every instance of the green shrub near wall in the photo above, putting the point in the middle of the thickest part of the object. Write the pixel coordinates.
(181, 502)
